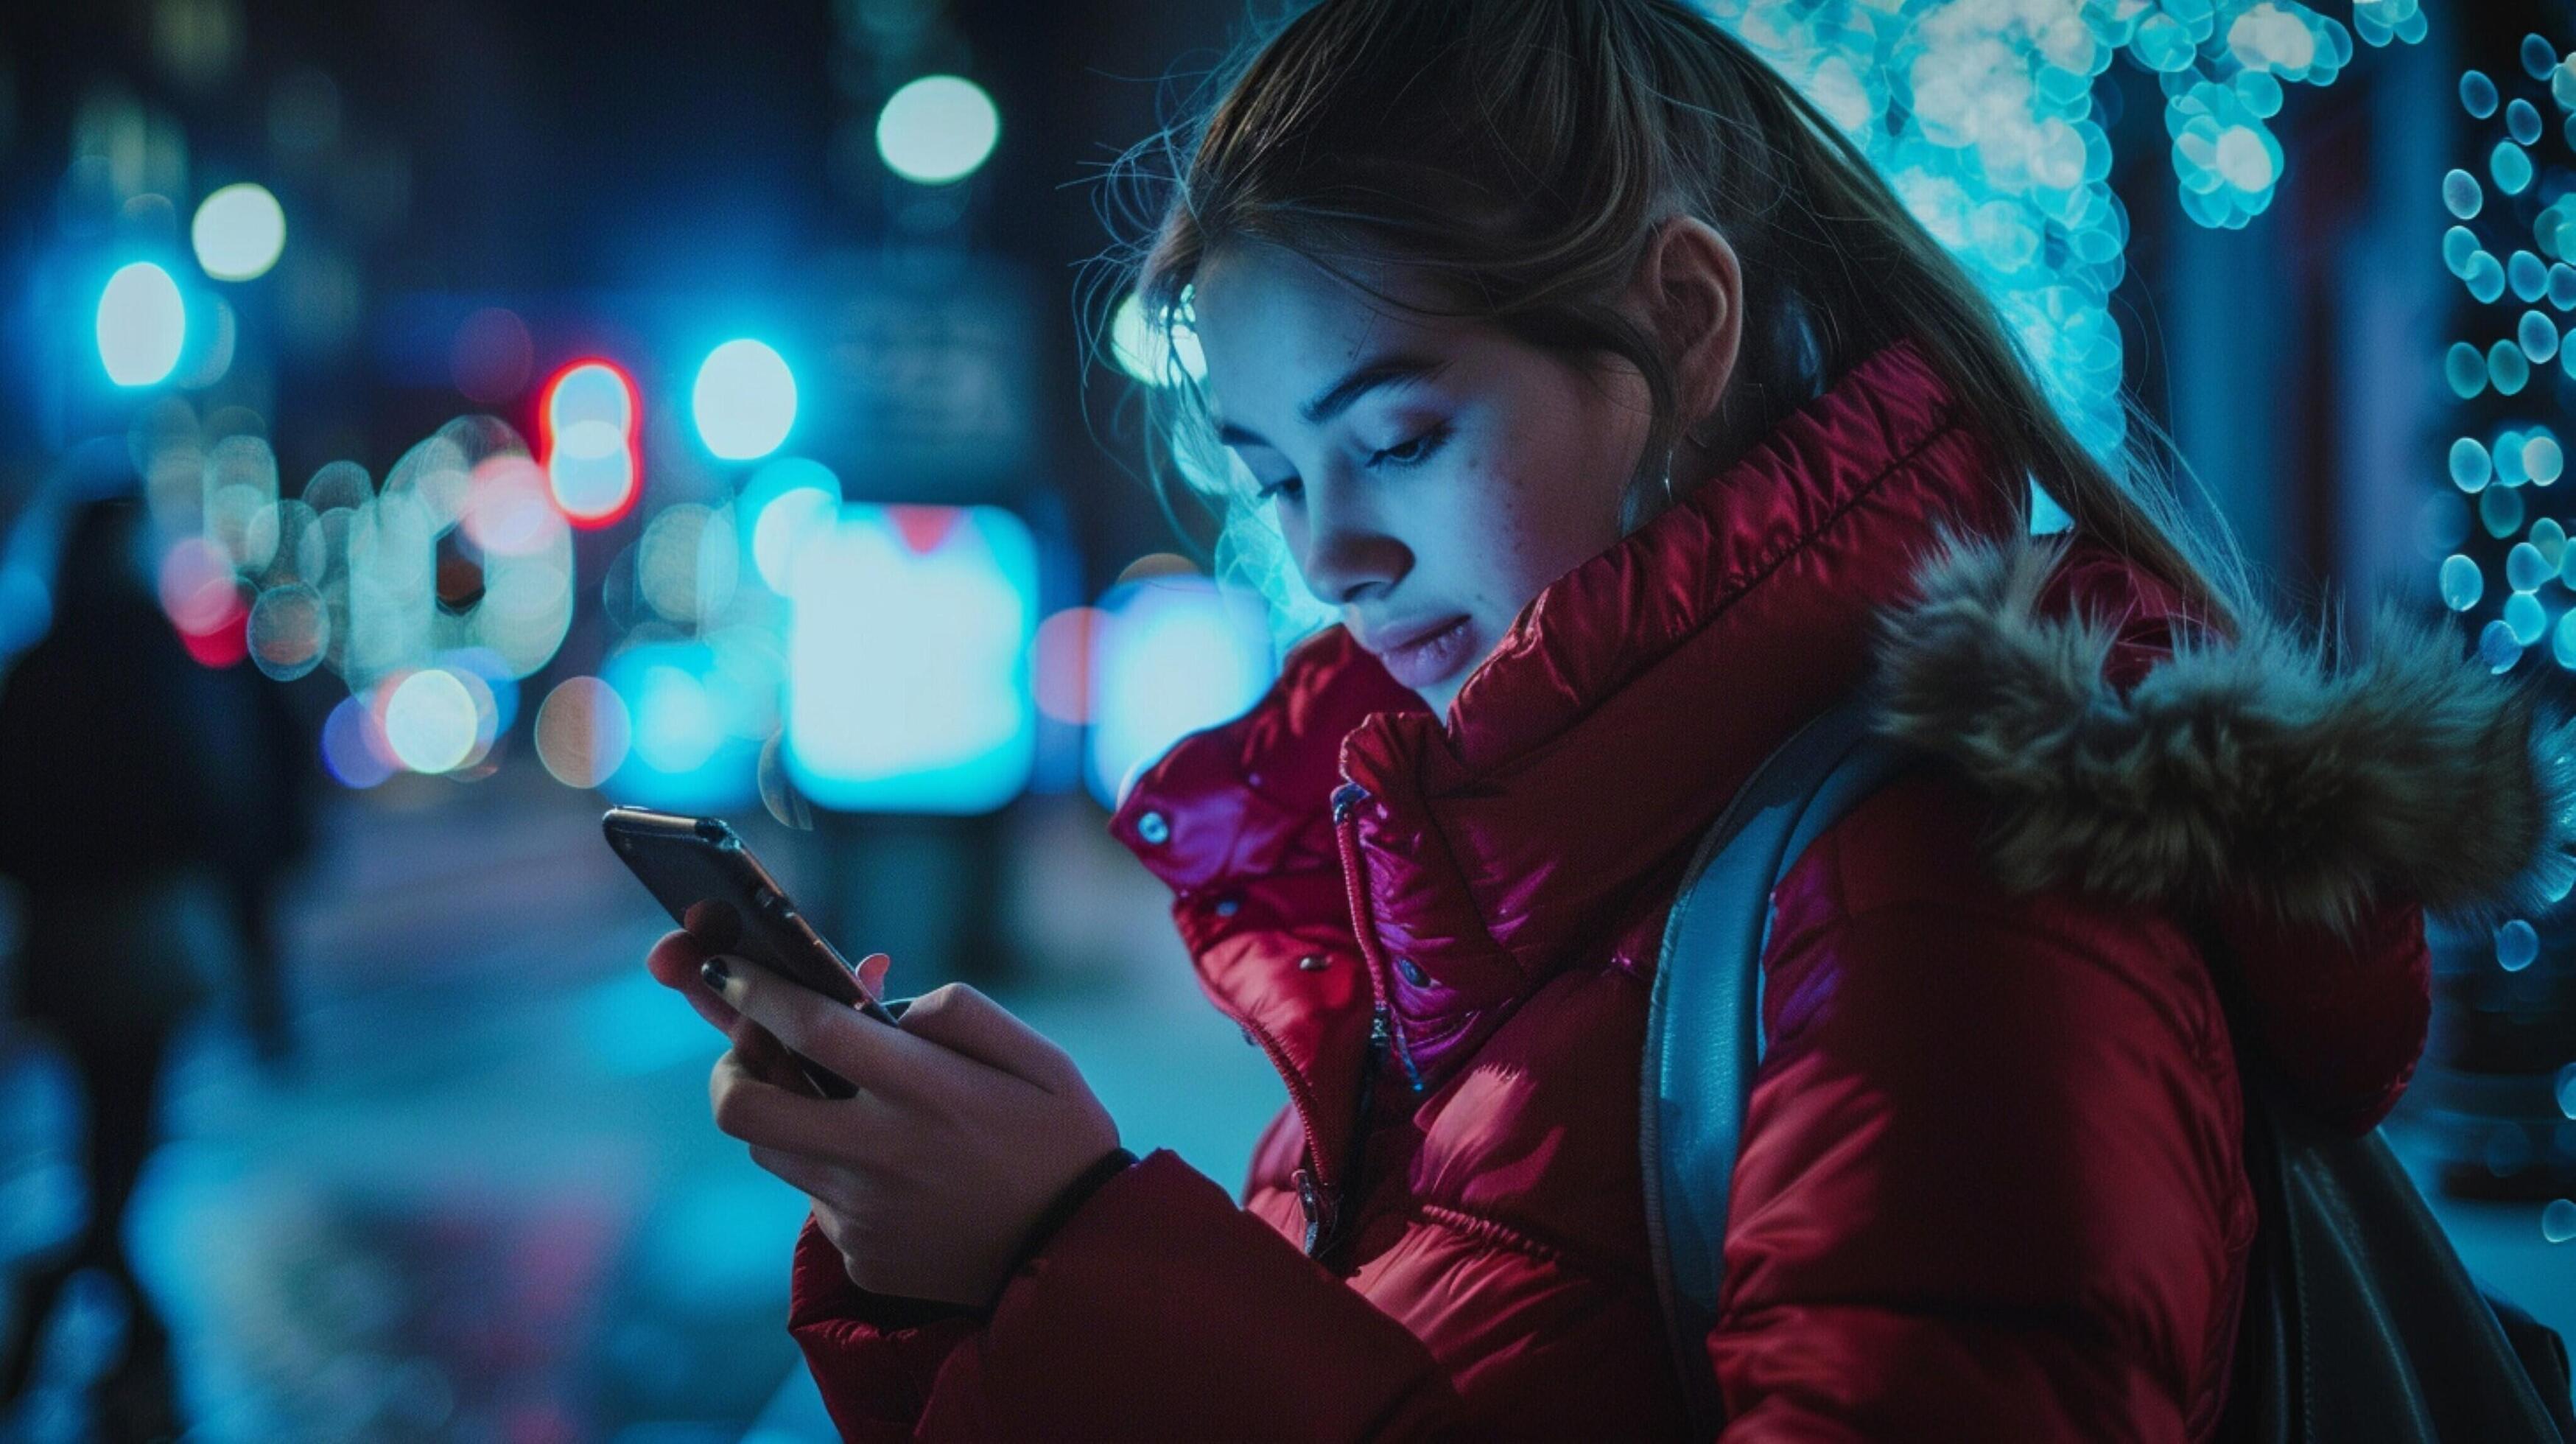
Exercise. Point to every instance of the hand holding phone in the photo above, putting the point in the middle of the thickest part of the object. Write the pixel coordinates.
(713, 887)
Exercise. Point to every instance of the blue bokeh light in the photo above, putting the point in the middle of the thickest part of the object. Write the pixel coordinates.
(680, 756)
(1173, 654)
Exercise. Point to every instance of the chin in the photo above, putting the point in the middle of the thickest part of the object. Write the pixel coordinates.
(1440, 694)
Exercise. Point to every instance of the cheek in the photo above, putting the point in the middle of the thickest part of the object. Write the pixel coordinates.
(1527, 526)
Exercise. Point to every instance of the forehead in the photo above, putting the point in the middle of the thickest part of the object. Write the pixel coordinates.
(1276, 328)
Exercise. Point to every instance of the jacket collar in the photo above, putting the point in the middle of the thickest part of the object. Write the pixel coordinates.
(1581, 761)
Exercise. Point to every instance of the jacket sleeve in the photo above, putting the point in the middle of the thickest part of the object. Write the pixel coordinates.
(1989, 1185)
(1159, 1309)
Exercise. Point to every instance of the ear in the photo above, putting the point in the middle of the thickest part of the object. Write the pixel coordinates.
(1689, 288)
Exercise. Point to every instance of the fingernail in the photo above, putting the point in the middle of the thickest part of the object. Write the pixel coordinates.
(715, 974)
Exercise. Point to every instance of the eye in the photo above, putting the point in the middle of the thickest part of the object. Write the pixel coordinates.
(1288, 487)
(1413, 452)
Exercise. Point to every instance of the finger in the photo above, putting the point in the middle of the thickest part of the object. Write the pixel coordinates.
(757, 1111)
(674, 963)
(817, 1179)
(872, 975)
(767, 1058)
(862, 1050)
(962, 1020)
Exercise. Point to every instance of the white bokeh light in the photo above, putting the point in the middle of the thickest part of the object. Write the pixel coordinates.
(937, 129)
(239, 232)
(142, 322)
(744, 401)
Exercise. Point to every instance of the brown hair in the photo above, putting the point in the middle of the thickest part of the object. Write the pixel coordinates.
(1518, 155)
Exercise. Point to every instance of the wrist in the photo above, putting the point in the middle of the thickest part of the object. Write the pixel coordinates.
(1067, 1203)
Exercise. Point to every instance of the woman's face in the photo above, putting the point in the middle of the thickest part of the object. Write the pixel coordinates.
(1432, 475)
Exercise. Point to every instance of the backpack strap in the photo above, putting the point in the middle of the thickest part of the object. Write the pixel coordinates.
(1704, 1024)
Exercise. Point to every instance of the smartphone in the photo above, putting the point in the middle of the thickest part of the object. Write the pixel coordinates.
(710, 884)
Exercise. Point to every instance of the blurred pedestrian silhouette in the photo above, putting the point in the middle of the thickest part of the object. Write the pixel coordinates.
(144, 811)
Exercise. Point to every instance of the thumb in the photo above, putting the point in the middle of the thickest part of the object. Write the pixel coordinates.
(962, 1020)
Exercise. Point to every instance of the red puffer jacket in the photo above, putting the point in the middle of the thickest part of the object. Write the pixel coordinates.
(1990, 1184)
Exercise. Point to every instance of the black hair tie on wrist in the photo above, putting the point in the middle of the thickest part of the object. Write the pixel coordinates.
(1068, 1203)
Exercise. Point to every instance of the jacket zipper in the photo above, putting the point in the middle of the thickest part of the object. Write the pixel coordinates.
(1324, 1208)
(1327, 1211)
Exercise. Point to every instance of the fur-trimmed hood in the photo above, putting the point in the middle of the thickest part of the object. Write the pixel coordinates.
(2294, 773)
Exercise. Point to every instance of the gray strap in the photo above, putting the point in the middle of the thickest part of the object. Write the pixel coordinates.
(1704, 1025)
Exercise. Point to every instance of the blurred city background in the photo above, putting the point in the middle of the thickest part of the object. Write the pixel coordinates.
(422, 425)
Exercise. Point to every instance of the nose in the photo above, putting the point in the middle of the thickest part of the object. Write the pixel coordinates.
(1348, 551)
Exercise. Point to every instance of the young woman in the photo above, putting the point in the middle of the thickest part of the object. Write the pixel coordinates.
(1630, 423)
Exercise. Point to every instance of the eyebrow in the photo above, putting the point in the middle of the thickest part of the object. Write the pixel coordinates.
(1368, 376)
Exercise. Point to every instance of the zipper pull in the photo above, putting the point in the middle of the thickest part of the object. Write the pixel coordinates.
(1381, 1032)
(1346, 797)
(1317, 1209)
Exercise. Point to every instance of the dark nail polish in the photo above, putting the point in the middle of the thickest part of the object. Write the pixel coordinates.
(714, 974)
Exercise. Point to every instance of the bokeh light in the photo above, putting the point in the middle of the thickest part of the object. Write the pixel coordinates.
(350, 754)
(908, 642)
(2516, 944)
(937, 129)
(744, 401)
(582, 732)
(2462, 583)
(679, 755)
(290, 628)
(2471, 467)
(1061, 670)
(507, 510)
(202, 598)
(431, 721)
(2500, 510)
(239, 232)
(142, 324)
(687, 561)
(785, 502)
(2460, 193)
(2478, 94)
(1144, 352)
(2525, 618)
(588, 423)
(2558, 1221)
(1171, 654)
(2498, 647)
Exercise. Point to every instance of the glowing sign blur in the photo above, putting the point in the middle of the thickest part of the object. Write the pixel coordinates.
(744, 401)
(1170, 655)
(587, 428)
(937, 129)
(907, 652)
(239, 232)
(677, 753)
(141, 325)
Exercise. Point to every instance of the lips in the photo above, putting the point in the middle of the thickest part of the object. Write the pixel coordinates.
(1419, 655)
